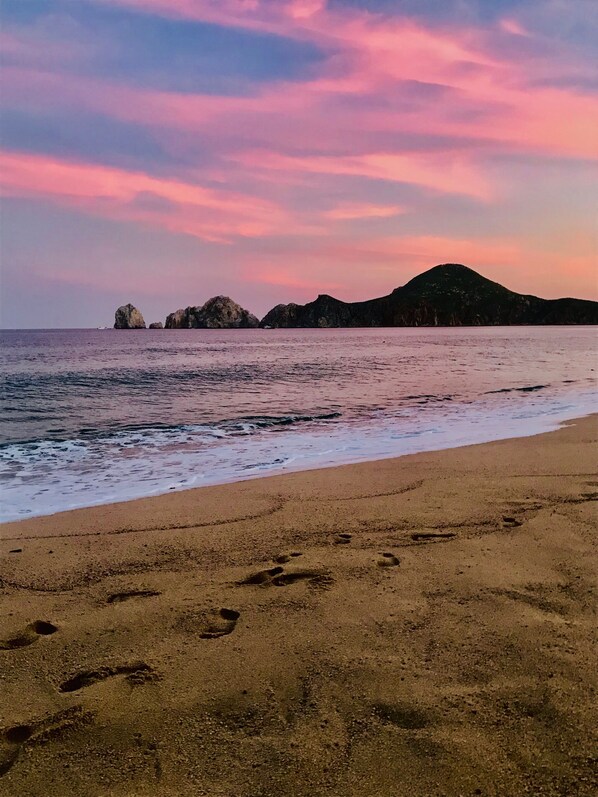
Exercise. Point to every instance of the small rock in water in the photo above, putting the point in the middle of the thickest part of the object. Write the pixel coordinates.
(128, 317)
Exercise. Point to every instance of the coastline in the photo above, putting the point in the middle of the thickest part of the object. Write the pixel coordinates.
(433, 637)
(295, 452)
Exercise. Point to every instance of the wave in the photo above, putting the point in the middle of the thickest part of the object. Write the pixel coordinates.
(45, 477)
(181, 376)
(135, 434)
(525, 389)
(266, 421)
(430, 397)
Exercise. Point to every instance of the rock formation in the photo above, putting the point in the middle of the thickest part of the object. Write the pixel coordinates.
(156, 325)
(446, 295)
(283, 315)
(220, 312)
(177, 320)
(128, 317)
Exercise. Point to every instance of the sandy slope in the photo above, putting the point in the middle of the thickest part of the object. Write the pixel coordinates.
(420, 626)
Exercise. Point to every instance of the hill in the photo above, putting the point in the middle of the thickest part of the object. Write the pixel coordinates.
(446, 295)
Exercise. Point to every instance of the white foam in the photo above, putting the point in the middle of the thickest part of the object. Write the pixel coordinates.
(52, 476)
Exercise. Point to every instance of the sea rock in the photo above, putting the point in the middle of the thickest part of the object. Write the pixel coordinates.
(177, 320)
(156, 325)
(220, 312)
(128, 317)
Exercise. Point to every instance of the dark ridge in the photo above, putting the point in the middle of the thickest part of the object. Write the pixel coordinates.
(447, 295)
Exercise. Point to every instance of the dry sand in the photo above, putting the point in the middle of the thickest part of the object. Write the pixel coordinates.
(419, 626)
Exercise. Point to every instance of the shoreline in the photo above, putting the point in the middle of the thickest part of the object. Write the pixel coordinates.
(422, 625)
(504, 428)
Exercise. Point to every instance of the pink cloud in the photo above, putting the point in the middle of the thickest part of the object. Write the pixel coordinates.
(289, 281)
(488, 97)
(379, 52)
(513, 27)
(544, 121)
(436, 248)
(351, 210)
(173, 204)
(383, 81)
(360, 269)
(274, 16)
(370, 265)
(432, 171)
(304, 9)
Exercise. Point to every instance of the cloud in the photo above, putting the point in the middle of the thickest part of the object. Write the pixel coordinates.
(207, 213)
(350, 211)
(513, 27)
(434, 172)
(304, 9)
(291, 282)
(313, 142)
(374, 75)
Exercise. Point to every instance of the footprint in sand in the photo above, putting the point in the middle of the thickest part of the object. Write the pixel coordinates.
(432, 536)
(54, 725)
(222, 622)
(283, 558)
(511, 522)
(9, 753)
(402, 715)
(136, 673)
(343, 539)
(278, 577)
(120, 597)
(313, 576)
(262, 577)
(388, 560)
(30, 634)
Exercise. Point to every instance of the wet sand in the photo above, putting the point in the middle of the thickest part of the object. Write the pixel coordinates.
(420, 626)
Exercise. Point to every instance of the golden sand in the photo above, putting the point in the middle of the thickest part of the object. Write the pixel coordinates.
(420, 626)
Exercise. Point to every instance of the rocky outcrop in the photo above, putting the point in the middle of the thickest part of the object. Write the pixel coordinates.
(177, 320)
(220, 312)
(283, 315)
(446, 295)
(325, 311)
(156, 325)
(128, 317)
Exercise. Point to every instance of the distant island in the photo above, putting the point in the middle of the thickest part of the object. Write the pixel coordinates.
(449, 295)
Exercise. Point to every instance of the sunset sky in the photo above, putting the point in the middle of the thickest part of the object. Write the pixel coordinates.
(163, 151)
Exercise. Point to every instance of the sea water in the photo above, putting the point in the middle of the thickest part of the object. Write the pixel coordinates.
(95, 416)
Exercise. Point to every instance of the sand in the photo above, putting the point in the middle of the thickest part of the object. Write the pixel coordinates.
(418, 626)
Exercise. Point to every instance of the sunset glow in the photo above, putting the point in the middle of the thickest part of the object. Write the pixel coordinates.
(163, 151)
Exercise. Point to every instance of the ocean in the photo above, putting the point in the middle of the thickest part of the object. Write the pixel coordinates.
(94, 416)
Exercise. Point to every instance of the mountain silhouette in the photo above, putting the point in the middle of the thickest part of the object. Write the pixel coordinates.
(447, 295)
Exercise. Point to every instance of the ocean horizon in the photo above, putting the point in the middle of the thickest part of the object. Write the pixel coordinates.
(98, 416)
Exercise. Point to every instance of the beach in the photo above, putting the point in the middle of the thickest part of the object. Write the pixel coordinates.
(415, 626)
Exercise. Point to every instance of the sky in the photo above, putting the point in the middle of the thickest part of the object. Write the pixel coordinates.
(161, 152)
